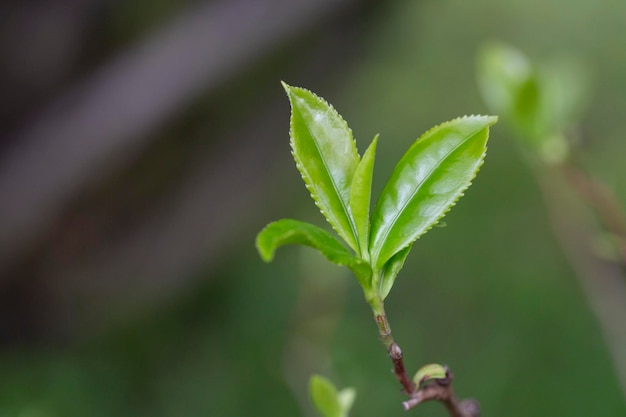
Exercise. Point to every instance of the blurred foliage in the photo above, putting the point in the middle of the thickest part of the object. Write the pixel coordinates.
(328, 400)
(541, 103)
(490, 295)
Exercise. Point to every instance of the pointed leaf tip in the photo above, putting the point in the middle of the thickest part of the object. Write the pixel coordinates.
(326, 156)
(431, 176)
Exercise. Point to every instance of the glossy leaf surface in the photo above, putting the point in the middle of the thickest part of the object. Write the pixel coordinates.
(326, 156)
(289, 231)
(360, 195)
(425, 184)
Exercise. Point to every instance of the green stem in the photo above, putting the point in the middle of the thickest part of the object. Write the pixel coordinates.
(393, 350)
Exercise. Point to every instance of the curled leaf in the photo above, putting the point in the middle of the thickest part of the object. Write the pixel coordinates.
(433, 371)
(289, 231)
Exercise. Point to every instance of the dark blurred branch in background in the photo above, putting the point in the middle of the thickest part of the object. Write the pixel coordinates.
(106, 120)
(543, 103)
(602, 279)
(103, 124)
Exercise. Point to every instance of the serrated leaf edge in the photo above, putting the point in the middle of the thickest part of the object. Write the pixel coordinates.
(462, 192)
(444, 213)
(308, 182)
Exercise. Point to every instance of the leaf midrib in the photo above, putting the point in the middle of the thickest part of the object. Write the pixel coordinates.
(335, 187)
(399, 213)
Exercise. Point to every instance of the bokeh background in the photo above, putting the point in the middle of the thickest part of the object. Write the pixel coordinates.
(145, 143)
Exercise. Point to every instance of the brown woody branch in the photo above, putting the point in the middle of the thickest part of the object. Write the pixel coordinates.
(438, 389)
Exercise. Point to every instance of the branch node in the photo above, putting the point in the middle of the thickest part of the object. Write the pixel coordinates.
(395, 352)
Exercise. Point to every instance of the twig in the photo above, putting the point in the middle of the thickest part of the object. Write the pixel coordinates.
(444, 393)
(438, 390)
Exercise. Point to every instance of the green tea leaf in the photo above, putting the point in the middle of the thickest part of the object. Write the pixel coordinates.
(425, 184)
(360, 196)
(288, 231)
(324, 397)
(391, 270)
(326, 156)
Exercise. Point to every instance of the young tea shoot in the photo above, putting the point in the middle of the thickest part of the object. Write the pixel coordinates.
(426, 182)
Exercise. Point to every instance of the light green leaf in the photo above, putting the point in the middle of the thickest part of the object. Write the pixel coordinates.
(324, 397)
(360, 196)
(502, 69)
(346, 398)
(390, 271)
(430, 372)
(326, 156)
(510, 86)
(288, 231)
(425, 184)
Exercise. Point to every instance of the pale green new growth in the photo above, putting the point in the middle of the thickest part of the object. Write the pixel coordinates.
(327, 400)
(360, 196)
(430, 372)
(540, 102)
(425, 184)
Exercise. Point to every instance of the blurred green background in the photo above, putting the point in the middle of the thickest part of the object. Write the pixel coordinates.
(132, 286)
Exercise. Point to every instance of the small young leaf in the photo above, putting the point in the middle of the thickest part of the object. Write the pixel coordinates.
(326, 156)
(360, 195)
(390, 271)
(425, 184)
(324, 397)
(511, 87)
(346, 398)
(430, 372)
(502, 71)
(288, 231)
